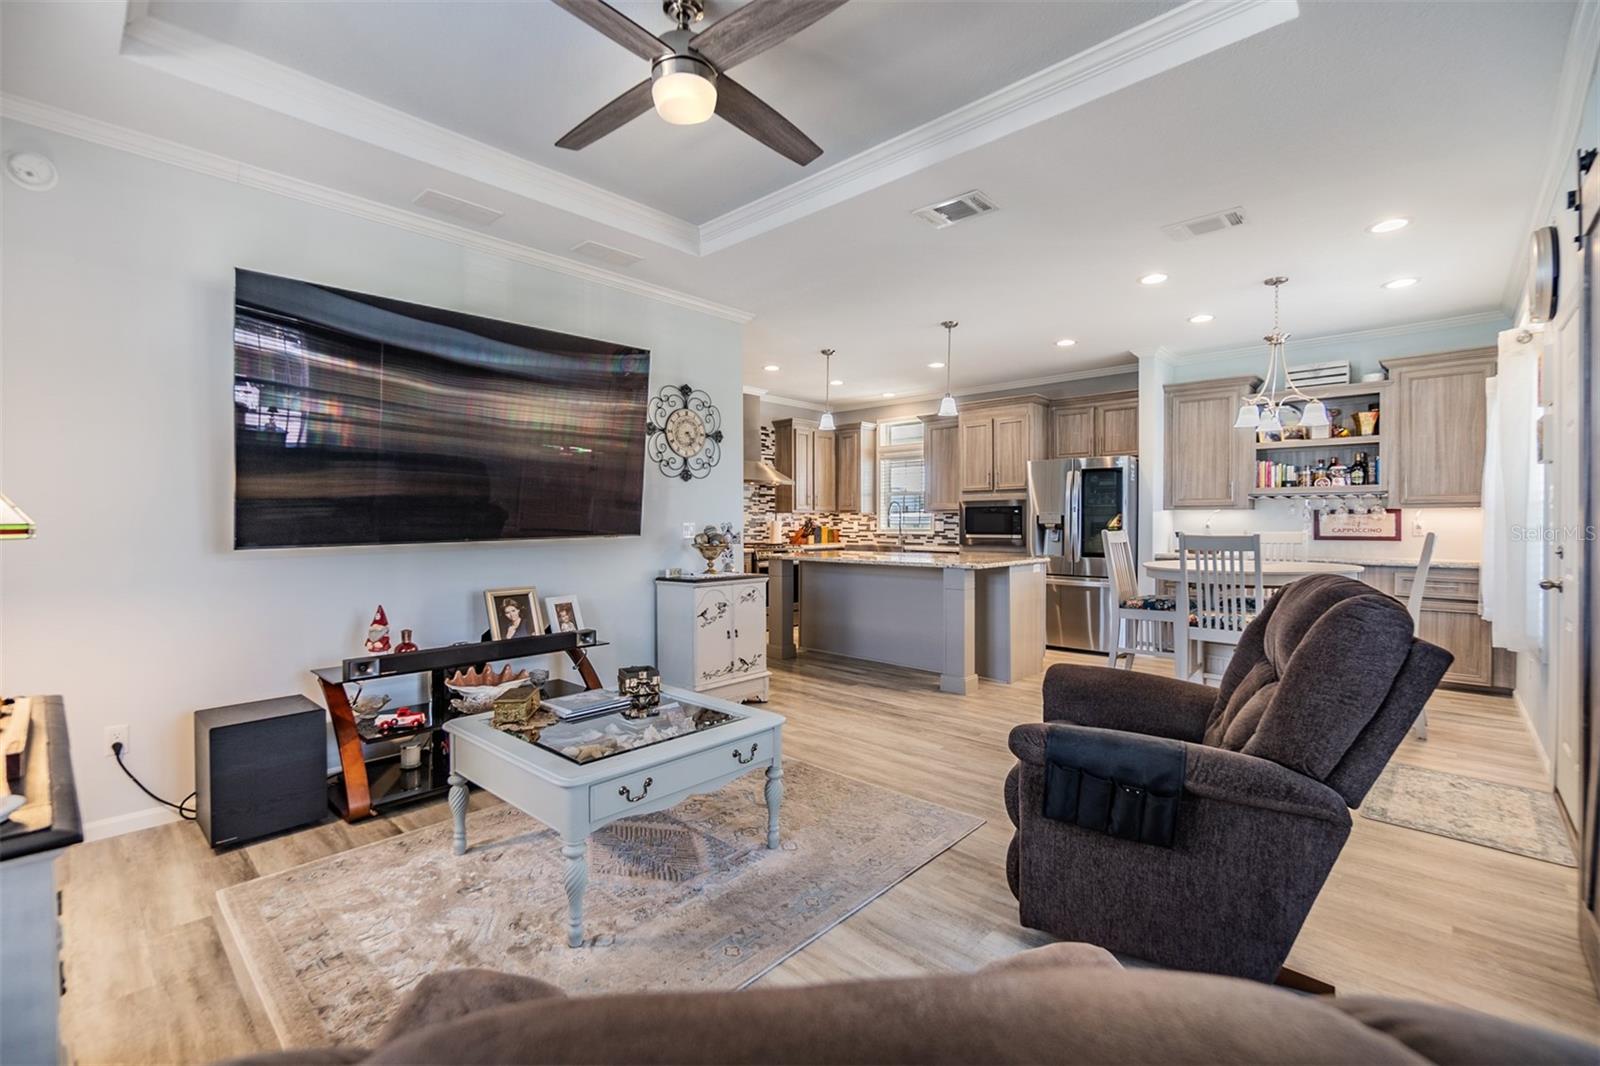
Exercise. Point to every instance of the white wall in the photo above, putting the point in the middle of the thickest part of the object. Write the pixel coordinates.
(116, 423)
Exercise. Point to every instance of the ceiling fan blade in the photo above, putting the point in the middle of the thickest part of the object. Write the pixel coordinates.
(755, 27)
(617, 26)
(751, 114)
(618, 113)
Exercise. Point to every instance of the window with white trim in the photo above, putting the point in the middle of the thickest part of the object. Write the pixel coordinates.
(900, 477)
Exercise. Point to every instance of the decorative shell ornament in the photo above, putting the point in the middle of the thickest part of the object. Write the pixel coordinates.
(479, 688)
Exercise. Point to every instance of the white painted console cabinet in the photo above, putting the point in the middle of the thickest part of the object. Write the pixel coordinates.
(711, 635)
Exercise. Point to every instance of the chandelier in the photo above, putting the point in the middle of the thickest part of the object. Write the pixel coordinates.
(947, 406)
(1263, 410)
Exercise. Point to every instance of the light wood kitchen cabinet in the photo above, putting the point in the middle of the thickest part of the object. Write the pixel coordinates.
(1438, 417)
(997, 441)
(1104, 424)
(977, 455)
(1116, 427)
(824, 470)
(794, 455)
(1072, 432)
(1208, 462)
(941, 463)
(1449, 618)
(856, 464)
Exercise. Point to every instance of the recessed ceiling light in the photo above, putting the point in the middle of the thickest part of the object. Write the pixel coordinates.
(771, 368)
(888, 396)
(935, 366)
(1400, 283)
(1065, 342)
(1389, 225)
(1201, 319)
(835, 383)
(1153, 279)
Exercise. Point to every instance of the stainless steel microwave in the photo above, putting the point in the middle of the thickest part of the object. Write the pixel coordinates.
(993, 524)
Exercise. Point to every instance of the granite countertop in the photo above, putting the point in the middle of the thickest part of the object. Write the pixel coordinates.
(1436, 564)
(926, 560)
(837, 546)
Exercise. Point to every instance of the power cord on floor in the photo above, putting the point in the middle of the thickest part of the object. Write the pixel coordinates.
(185, 812)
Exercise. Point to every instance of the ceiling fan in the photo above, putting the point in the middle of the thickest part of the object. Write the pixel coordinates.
(688, 80)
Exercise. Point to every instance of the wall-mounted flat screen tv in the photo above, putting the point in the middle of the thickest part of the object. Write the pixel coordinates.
(363, 420)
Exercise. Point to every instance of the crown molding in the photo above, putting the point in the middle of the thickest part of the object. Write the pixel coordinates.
(1151, 48)
(1572, 91)
(1496, 319)
(787, 401)
(247, 76)
(147, 146)
(979, 392)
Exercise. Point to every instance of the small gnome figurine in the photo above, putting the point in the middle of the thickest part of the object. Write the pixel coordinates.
(378, 632)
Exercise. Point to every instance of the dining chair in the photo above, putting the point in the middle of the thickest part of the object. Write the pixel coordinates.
(1419, 582)
(1284, 546)
(1219, 592)
(1141, 625)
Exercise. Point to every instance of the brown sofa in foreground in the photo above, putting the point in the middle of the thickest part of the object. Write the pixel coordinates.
(1064, 1004)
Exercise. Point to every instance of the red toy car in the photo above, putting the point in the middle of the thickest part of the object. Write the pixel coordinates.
(404, 718)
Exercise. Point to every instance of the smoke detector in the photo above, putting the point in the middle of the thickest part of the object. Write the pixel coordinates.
(949, 212)
(444, 204)
(31, 171)
(1205, 225)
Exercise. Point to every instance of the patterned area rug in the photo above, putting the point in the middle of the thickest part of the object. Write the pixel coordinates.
(688, 898)
(1522, 821)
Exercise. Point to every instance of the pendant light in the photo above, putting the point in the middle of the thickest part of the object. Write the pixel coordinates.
(826, 423)
(1263, 411)
(947, 406)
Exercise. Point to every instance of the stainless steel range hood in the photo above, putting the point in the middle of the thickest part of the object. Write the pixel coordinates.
(754, 469)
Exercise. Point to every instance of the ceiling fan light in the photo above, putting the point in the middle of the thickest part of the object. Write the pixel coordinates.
(947, 406)
(1249, 417)
(683, 93)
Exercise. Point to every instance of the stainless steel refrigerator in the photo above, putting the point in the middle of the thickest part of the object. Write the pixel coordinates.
(1071, 502)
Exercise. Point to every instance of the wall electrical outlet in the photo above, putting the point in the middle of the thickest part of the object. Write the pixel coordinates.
(116, 734)
(688, 531)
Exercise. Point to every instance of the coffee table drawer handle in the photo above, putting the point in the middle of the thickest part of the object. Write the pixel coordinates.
(745, 758)
(626, 793)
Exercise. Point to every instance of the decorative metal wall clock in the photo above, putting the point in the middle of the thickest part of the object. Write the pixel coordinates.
(685, 432)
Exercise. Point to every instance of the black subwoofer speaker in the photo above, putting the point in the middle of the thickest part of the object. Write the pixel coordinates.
(259, 768)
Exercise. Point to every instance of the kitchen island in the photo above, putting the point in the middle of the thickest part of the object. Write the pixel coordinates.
(961, 615)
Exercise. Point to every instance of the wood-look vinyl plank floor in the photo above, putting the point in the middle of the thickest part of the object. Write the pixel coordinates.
(1404, 913)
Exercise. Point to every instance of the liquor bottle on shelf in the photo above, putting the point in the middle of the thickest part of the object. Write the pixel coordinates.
(1358, 469)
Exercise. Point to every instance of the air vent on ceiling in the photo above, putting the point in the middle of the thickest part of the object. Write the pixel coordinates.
(1216, 222)
(596, 252)
(454, 206)
(949, 212)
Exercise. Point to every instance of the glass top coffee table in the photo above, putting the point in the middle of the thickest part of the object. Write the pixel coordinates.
(579, 776)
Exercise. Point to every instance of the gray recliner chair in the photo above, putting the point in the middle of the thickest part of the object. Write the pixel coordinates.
(1322, 689)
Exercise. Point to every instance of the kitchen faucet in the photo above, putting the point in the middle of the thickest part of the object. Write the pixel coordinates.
(900, 537)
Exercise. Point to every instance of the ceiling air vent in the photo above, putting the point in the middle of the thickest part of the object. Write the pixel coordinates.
(1216, 222)
(604, 254)
(444, 204)
(967, 205)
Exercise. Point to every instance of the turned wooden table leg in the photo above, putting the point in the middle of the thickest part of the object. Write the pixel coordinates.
(576, 879)
(458, 811)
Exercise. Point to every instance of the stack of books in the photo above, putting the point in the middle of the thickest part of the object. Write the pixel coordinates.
(587, 704)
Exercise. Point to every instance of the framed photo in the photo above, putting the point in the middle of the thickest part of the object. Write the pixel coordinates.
(1361, 526)
(513, 613)
(563, 614)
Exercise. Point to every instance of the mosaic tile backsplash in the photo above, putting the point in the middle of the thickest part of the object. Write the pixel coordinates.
(760, 509)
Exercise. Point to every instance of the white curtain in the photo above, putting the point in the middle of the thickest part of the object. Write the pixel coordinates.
(1513, 499)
